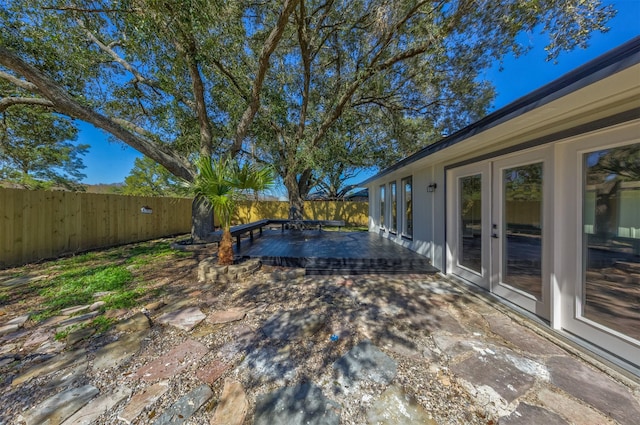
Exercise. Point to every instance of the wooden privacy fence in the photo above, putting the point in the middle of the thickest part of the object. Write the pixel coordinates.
(35, 225)
(46, 224)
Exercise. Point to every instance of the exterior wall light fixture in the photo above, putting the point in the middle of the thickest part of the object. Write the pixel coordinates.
(432, 187)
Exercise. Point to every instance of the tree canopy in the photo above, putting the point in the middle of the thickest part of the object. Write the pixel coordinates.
(300, 84)
(148, 178)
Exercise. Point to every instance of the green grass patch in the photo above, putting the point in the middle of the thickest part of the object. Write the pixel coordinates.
(125, 299)
(102, 324)
(76, 286)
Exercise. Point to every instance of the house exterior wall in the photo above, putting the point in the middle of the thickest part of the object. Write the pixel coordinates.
(559, 134)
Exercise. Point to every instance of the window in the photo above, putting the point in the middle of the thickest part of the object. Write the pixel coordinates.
(393, 226)
(407, 207)
(382, 205)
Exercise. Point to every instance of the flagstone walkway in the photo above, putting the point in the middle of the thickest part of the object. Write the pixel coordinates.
(308, 350)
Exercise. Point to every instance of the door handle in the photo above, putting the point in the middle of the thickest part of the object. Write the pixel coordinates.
(495, 236)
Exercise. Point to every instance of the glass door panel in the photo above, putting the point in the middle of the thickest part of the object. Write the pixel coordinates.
(470, 222)
(611, 239)
(522, 229)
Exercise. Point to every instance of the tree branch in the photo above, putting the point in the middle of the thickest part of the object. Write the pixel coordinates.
(11, 101)
(18, 82)
(65, 104)
(268, 48)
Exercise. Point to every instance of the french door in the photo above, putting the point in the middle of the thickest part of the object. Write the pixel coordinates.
(499, 236)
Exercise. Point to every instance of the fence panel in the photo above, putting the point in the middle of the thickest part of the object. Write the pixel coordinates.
(36, 225)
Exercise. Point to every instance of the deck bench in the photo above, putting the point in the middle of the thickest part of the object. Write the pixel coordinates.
(241, 229)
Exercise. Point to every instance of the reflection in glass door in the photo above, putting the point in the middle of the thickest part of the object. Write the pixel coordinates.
(470, 223)
(611, 239)
(522, 228)
(519, 234)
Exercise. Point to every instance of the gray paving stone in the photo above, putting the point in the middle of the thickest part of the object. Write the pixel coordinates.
(269, 363)
(6, 329)
(96, 407)
(290, 325)
(396, 407)
(304, 404)
(20, 320)
(118, 351)
(497, 372)
(594, 388)
(233, 405)
(79, 335)
(56, 409)
(69, 311)
(573, 410)
(185, 319)
(521, 337)
(526, 414)
(54, 364)
(76, 320)
(135, 323)
(21, 280)
(180, 411)
(365, 361)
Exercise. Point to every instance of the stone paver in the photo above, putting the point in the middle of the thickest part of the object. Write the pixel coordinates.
(174, 362)
(396, 407)
(526, 414)
(212, 371)
(233, 405)
(6, 329)
(79, 335)
(69, 311)
(180, 411)
(290, 325)
(269, 363)
(521, 337)
(119, 351)
(226, 316)
(185, 319)
(39, 336)
(142, 400)
(572, 410)
(96, 407)
(20, 320)
(496, 371)
(56, 409)
(303, 404)
(52, 365)
(76, 320)
(365, 361)
(135, 323)
(594, 388)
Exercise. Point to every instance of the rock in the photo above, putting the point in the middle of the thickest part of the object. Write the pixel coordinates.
(21, 280)
(142, 400)
(7, 348)
(526, 414)
(226, 316)
(492, 369)
(76, 320)
(233, 405)
(118, 351)
(212, 371)
(180, 411)
(79, 335)
(174, 362)
(20, 320)
(365, 361)
(54, 364)
(594, 388)
(185, 319)
(96, 305)
(70, 311)
(53, 321)
(290, 325)
(38, 337)
(395, 407)
(572, 410)
(135, 323)
(521, 337)
(154, 306)
(96, 407)
(116, 314)
(56, 409)
(6, 329)
(304, 404)
(269, 363)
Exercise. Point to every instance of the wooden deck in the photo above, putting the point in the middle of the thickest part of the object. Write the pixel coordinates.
(323, 252)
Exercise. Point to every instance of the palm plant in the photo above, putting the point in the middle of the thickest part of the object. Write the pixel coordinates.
(223, 182)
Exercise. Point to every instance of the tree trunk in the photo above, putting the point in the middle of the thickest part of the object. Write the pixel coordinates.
(201, 220)
(296, 199)
(225, 250)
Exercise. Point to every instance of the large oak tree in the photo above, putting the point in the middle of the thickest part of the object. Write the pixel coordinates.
(298, 83)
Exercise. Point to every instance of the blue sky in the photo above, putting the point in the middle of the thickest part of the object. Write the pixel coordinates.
(110, 162)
